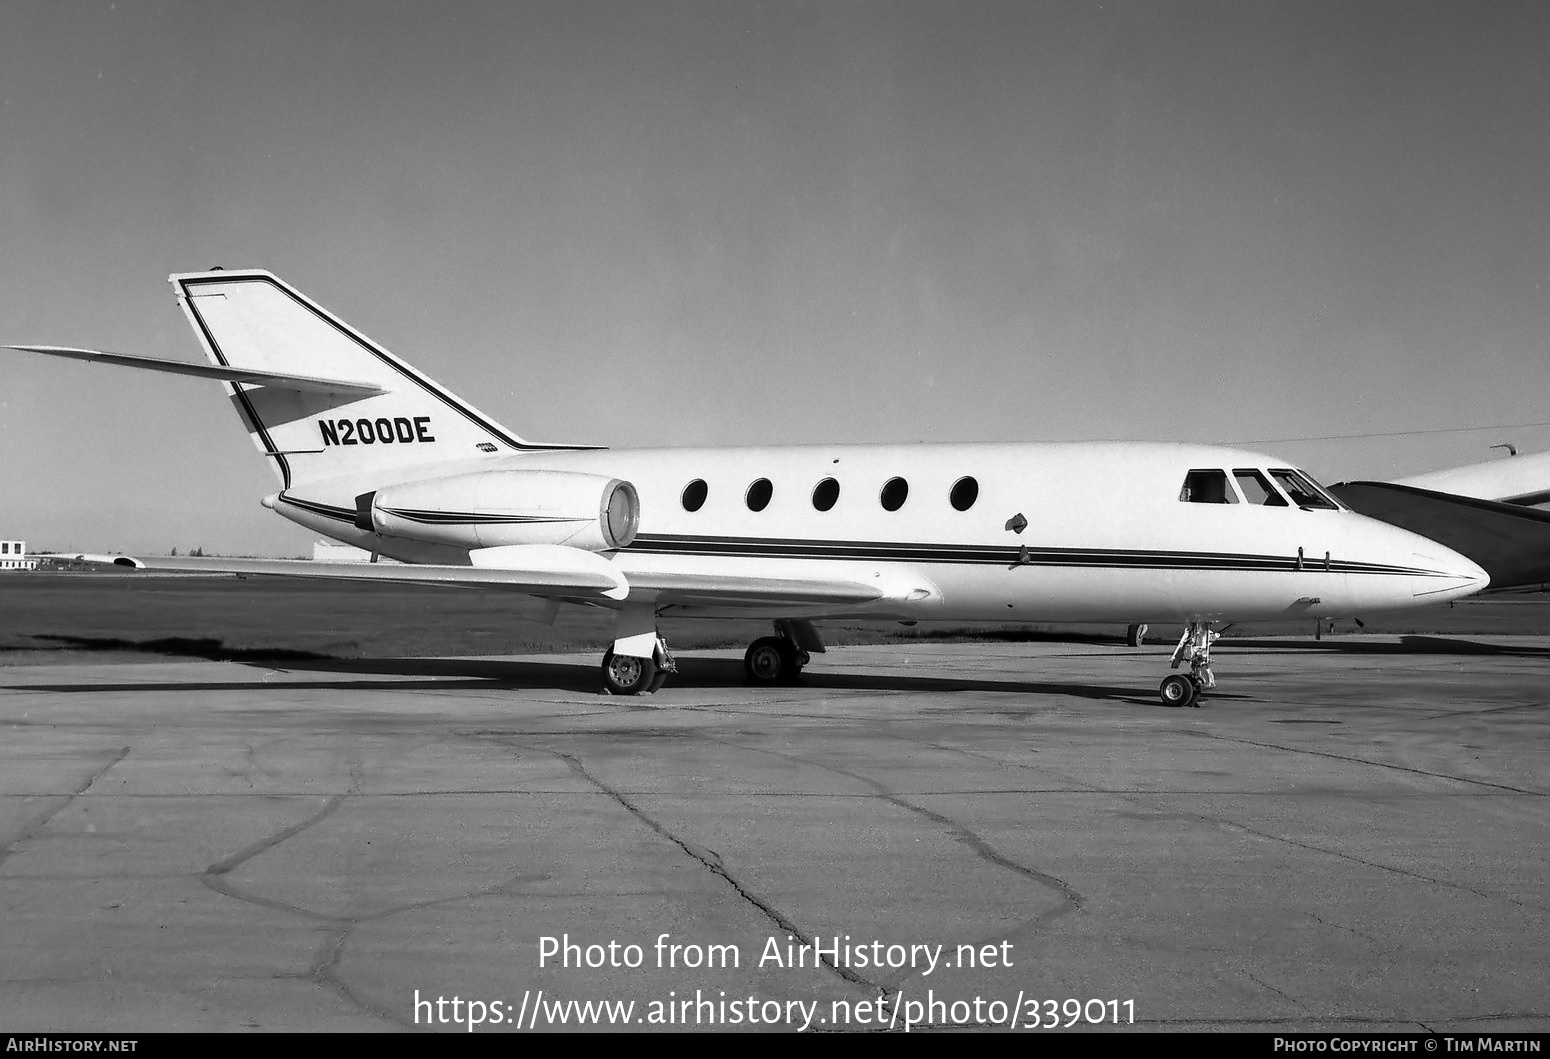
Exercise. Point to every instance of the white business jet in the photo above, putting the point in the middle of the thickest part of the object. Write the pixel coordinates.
(372, 453)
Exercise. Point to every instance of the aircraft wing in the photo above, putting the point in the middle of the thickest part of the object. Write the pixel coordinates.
(1510, 542)
(551, 571)
(753, 581)
(559, 572)
(253, 376)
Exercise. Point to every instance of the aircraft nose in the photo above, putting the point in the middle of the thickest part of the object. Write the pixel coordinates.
(1419, 571)
(1457, 574)
(1462, 566)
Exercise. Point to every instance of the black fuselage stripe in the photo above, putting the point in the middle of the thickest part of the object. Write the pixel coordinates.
(959, 555)
(462, 518)
(1002, 555)
(339, 514)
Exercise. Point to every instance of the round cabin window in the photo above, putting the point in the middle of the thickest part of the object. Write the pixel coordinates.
(825, 493)
(694, 495)
(759, 493)
(965, 492)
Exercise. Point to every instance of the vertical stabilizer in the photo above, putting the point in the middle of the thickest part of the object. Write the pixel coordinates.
(252, 320)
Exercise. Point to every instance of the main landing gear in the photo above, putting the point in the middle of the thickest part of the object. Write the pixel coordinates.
(1180, 689)
(638, 662)
(630, 675)
(772, 660)
(779, 659)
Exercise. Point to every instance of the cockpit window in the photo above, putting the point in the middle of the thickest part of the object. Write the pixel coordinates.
(1257, 488)
(1304, 492)
(1207, 487)
(1313, 484)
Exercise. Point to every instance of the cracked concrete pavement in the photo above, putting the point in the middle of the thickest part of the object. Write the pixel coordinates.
(1341, 839)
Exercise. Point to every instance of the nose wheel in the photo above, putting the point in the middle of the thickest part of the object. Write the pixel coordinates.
(1185, 689)
(1178, 690)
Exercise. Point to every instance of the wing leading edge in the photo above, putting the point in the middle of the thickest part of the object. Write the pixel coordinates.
(559, 572)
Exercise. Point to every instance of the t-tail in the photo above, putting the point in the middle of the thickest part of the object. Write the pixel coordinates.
(321, 400)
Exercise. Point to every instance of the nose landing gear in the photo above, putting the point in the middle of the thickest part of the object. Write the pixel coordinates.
(1179, 689)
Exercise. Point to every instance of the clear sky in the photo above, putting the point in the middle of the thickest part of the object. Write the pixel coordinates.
(654, 223)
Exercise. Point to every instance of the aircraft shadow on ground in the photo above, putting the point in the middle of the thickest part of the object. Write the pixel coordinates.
(580, 676)
(448, 674)
(208, 648)
(707, 673)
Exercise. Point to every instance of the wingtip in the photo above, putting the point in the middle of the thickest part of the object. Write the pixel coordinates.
(58, 351)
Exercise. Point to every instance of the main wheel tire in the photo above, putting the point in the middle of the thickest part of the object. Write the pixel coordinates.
(626, 674)
(768, 661)
(1135, 635)
(1177, 690)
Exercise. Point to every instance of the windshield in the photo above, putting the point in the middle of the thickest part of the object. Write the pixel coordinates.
(1304, 491)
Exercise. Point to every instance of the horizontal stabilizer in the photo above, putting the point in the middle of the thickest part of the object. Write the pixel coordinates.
(252, 376)
(1511, 543)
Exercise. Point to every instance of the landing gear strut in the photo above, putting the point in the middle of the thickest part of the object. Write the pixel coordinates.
(779, 659)
(1179, 689)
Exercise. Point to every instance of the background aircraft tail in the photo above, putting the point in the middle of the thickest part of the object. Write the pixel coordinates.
(325, 402)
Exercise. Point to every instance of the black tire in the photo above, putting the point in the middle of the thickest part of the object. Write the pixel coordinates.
(769, 661)
(1135, 635)
(1177, 690)
(626, 674)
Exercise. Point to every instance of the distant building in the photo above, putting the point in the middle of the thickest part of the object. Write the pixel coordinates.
(13, 556)
(334, 552)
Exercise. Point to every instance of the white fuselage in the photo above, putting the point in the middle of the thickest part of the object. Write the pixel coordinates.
(1071, 532)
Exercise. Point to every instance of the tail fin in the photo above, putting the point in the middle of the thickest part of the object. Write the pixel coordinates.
(373, 433)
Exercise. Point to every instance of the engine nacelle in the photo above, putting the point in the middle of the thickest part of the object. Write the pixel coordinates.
(489, 509)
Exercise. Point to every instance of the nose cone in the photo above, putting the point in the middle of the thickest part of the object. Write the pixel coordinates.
(1434, 573)
(1461, 574)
